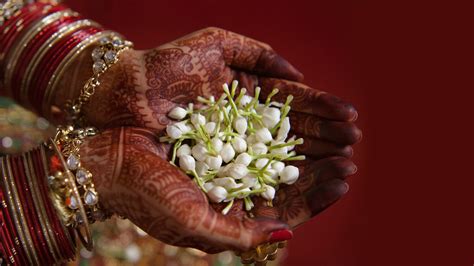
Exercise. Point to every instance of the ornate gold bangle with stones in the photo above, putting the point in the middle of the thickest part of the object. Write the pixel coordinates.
(73, 191)
(8, 9)
(104, 57)
(53, 82)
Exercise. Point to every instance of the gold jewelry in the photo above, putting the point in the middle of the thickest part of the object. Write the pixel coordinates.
(17, 211)
(40, 210)
(261, 254)
(44, 160)
(56, 37)
(76, 214)
(73, 192)
(104, 56)
(54, 80)
(21, 43)
(8, 9)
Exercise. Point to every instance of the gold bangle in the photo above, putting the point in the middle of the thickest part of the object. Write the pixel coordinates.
(53, 82)
(44, 160)
(69, 179)
(9, 9)
(104, 56)
(56, 37)
(40, 209)
(22, 42)
(17, 211)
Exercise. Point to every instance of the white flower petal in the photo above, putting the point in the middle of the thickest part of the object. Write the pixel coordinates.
(289, 175)
(177, 113)
(183, 150)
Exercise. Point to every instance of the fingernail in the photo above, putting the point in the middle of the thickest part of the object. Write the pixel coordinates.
(281, 235)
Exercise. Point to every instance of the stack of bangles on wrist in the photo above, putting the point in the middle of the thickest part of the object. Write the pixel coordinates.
(47, 197)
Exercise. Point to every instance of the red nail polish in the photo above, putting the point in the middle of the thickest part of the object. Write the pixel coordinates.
(281, 235)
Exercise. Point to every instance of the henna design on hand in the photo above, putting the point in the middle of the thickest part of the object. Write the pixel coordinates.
(130, 166)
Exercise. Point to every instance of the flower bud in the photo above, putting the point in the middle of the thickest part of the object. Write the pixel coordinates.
(198, 119)
(212, 99)
(240, 125)
(243, 193)
(278, 166)
(217, 117)
(208, 186)
(227, 153)
(263, 135)
(210, 127)
(245, 100)
(173, 132)
(177, 113)
(237, 170)
(272, 173)
(239, 144)
(217, 194)
(259, 148)
(183, 126)
(289, 175)
(269, 193)
(284, 129)
(217, 144)
(292, 146)
(199, 152)
(183, 150)
(227, 182)
(249, 180)
(214, 162)
(282, 150)
(271, 116)
(261, 163)
(251, 139)
(201, 168)
(187, 163)
(243, 158)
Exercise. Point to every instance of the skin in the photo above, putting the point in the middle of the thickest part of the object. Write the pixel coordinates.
(131, 168)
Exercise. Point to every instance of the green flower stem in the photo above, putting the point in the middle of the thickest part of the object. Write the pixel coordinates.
(231, 100)
(296, 158)
(198, 180)
(291, 143)
(227, 208)
(175, 149)
(269, 97)
(248, 203)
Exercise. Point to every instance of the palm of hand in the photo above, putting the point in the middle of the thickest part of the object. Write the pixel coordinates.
(131, 168)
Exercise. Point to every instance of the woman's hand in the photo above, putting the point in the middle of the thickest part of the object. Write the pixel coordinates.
(145, 85)
(135, 180)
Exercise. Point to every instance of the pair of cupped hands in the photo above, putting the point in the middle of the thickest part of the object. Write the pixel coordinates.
(131, 167)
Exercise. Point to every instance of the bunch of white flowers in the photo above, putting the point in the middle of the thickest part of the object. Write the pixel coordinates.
(235, 147)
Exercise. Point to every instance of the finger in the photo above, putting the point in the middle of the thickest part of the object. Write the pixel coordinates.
(309, 100)
(325, 195)
(250, 55)
(317, 148)
(313, 173)
(236, 231)
(345, 133)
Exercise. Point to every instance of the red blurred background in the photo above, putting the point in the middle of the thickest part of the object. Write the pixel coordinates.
(408, 66)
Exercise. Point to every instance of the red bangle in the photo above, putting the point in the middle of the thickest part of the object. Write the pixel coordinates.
(33, 47)
(11, 235)
(35, 11)
(62, 240)
(67, 250)
(13, 35)
(53, 58)
(18, 172)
